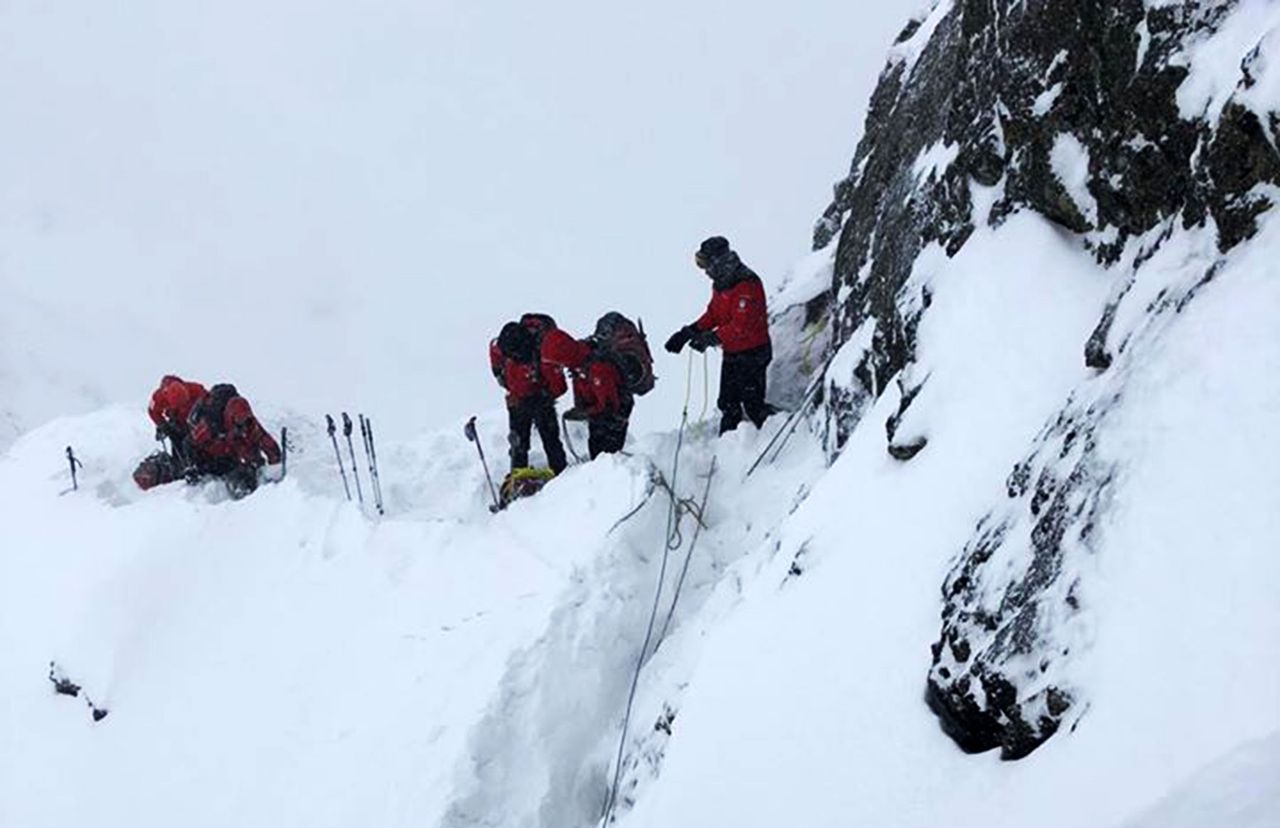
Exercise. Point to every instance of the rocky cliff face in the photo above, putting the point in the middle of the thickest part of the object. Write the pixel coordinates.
(1143, 128)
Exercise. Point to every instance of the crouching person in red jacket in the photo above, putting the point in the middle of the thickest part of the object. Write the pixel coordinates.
(532, 387)
(170, 407)
(737, 320)
(598, 397)
(227, 441)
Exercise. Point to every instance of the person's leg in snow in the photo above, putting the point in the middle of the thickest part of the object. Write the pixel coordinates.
(742, 388)
(607, 434)
(548, 425)
(520, 422)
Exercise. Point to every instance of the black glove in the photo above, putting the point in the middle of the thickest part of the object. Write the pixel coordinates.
(575, 415)
(680, 338)
(703, 340)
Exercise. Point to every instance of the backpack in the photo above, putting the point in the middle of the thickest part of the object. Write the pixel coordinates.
(209, 411)
(622, 342)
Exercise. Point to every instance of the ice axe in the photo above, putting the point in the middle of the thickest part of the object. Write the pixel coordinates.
(470, 430)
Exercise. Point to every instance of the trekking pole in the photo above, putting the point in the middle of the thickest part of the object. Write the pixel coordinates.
(470, 431)
(284, 453)
(366, 431)
(73, 462)
(333, 437)
(355, 471)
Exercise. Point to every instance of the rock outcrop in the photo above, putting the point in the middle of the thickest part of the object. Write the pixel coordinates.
(1120, 121)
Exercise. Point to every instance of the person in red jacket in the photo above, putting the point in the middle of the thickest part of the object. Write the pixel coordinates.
(599, 394)
(532, 387)
(737, 320)
(227, 440)
(170, 407)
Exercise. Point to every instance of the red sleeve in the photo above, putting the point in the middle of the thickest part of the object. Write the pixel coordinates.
(604, 388)
(708, 321)
(496, 363)
(560, 349)
(154, 409)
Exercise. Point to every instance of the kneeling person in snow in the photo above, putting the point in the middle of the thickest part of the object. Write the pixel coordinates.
(170, 407)
(227, 441)
(532, 387)
(737, 319)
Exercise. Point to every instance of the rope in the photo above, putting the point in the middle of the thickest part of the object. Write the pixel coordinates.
(672, 532)
(793, 419)
(568, 439)
(684, 570)
(706, 386)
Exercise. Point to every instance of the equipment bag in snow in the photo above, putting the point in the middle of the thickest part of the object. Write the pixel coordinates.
(521, 483)
(623, 342)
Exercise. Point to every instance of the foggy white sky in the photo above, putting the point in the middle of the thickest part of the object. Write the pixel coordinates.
(339, 203)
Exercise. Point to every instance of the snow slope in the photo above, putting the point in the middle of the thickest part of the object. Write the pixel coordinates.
(288, 660)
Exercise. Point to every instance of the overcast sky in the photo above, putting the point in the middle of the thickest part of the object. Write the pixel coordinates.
(335, 204)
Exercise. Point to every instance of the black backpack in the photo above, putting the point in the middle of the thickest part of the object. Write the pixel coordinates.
(210, 410)
(623, 343)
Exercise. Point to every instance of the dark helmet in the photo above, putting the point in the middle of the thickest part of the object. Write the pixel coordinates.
(710, 250)
(516, 342)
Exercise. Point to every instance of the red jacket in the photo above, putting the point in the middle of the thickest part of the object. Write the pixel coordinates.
(597, 383)
(739, 315)
(243, 439)
(523, 380)
(172, 402)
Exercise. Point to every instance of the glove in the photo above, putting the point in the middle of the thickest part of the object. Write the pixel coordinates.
(703, 340)
(575, 414)
(680, 338)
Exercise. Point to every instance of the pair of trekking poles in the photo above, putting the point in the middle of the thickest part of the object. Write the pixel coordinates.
(370, 453)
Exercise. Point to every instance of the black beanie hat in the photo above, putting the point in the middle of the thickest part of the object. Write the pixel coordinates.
(713, 247)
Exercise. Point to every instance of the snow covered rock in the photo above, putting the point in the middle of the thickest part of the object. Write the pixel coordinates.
(1146, 132)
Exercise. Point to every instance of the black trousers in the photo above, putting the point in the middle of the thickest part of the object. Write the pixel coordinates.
(608, 434)
(742, 387)
(523, 417)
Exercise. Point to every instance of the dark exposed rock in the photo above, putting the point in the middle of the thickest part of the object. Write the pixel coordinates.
(978, 100)
(996, 87)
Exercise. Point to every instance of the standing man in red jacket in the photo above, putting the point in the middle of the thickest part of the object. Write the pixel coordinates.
(737, 319)
(532, 387)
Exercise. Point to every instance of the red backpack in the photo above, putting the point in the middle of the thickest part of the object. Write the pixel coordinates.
(623, 343)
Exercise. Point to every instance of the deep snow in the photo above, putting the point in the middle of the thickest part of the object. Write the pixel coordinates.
(289, 660)
(286, 660)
